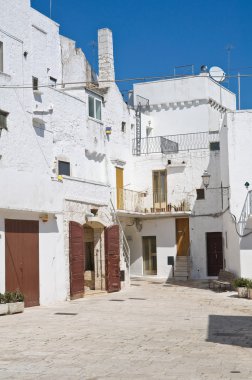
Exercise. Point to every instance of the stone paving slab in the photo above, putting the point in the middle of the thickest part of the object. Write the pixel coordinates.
(151, 331)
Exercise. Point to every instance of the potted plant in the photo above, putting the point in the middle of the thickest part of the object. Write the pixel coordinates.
(3, 305)
(241, 285)
(15, 301)
(249, 286)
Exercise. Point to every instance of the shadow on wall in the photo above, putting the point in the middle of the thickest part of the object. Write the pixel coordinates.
(94, 156)
(231, 330)
(49, 227)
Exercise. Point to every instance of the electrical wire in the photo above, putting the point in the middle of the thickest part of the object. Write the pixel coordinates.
(130, 79)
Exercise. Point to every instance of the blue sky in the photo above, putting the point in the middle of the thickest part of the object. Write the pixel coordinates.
(151, 37)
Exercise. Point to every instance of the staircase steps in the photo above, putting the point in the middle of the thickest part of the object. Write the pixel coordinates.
(181, 270)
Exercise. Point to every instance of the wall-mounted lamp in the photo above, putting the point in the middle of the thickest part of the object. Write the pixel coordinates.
(247, 184)
(44, 218)
(206, 178)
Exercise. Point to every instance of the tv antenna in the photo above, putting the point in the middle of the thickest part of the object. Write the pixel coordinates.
(229, 48)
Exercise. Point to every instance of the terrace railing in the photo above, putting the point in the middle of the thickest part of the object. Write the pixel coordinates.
(175, 143)
(149, 202)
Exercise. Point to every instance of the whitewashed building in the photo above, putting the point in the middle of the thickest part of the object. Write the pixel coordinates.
(175, 225)
(58, 162)
(93, 189)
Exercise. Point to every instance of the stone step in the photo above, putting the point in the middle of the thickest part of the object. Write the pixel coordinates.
(180, 273)
(182, 258)
(178, 264)
(181, 278)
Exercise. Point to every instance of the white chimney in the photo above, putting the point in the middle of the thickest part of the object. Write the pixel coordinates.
(106, 56)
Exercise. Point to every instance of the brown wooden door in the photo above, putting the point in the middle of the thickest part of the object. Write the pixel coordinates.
(76, 260)
(119, 188)
(182, 236)
(214, 253)
(22, 258)
(112, 259)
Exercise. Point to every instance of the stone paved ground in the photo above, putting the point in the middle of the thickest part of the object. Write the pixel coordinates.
(151, 331)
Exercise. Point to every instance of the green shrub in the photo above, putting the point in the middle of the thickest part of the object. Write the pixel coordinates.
(249, 284)
(2, 298)
(241, 282)
(16, 296)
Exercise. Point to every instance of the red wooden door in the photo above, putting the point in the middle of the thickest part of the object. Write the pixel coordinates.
(22, 258)
(112, 259)
(214, 253)
(76, 259)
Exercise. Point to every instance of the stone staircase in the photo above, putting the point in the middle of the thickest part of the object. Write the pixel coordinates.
(181, 269)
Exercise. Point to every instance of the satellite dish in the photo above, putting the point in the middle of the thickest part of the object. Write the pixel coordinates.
(217, 74)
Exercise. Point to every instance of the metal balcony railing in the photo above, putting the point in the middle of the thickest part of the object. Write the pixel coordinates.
(246, 212)
(175, 143)
(149, 202)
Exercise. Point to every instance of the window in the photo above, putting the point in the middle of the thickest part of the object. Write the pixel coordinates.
(3, 120)
(52, 81)
(63, 168)
(123, 127)
(94, 107)
(200, 194)
(215, 145)
(1, 56)
(35, 84)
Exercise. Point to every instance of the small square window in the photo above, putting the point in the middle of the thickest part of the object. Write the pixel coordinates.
(63, 168)
(3, 120)
(200, 194)
(215, 145)
(53, 81)
(94, 107)
(35, 84)
(123, 127)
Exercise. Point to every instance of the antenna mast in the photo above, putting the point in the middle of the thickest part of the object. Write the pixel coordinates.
(50, 8)
(229, 48)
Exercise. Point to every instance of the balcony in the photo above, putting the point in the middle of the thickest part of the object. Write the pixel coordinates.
(146, 202)
(175, 143)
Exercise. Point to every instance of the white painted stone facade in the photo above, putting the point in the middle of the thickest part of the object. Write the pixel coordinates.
(49, 125)
(54, 124)
(185, 110)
